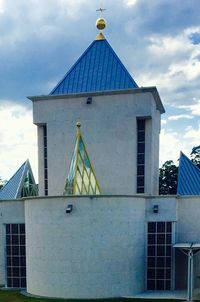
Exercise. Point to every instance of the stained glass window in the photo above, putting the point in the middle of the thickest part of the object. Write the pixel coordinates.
(81, 179)
(29, 187)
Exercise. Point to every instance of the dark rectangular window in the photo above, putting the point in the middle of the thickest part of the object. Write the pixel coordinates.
(159, 253)
(140, 155)
(140, 148)
(140, 170)
(45, 160)
(141, 124)
(140, 159)
(15, 255)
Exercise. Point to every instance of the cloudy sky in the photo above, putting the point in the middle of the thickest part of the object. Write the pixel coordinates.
(158, 41)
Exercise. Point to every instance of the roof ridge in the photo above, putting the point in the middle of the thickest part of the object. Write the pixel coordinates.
(191, 161)
(123, 66)
(188, 177)
(12, 176)
(21, 178)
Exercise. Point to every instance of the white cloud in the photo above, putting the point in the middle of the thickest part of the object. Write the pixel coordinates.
(175, 59)
(193, 135)
(167, 45)
(18, 139)
(171, 143)
(163, 122)
(38, 18)
(130, 2)
(180, 116)
(2, 6)
(189, 68)
(169, 147)
(170, 46)
(193, 108)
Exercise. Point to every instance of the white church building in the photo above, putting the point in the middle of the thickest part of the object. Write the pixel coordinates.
(98, 227)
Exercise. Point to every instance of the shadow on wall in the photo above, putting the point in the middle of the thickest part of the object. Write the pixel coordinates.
(181, 271)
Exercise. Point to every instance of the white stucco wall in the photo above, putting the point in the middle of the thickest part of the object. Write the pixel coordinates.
(152, 152)
(188, 230)
(184, 211)
(167, 208)
(96, 251)
(99, 250)
(109, 131)
(188, 219)
(11, 211)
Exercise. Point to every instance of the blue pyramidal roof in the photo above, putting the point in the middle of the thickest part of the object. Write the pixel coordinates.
(98, 69)
(13, 188)
(188, 177)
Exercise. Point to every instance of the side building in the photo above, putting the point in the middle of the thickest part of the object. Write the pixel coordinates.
(12, 226)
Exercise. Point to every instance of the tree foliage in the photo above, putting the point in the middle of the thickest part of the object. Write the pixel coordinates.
(1, 183)
(195, 156)
(168, 173)
(168, 178)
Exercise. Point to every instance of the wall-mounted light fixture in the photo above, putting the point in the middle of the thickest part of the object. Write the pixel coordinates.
(155, 208)
(69, 208)
(89, 100)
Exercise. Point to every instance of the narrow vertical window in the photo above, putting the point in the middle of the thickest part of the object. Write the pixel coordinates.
(140, 155)
(159, 255)
(15, 255)
(45, 160)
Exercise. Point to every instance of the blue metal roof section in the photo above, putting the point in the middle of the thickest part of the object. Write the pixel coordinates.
(98, 69)
(188, 177)
(12, 189)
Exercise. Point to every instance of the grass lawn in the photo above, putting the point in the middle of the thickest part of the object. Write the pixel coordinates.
(14, 296)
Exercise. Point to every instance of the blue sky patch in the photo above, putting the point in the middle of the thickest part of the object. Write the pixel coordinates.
(195, 38)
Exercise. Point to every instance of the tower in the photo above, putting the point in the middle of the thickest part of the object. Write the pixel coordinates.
(120, 123)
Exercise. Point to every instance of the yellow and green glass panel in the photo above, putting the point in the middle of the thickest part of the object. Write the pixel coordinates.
(81, 179)
(29, 187)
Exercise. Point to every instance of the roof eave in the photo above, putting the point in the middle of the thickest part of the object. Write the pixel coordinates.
(153, 90)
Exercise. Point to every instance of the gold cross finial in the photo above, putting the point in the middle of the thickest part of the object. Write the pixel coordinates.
(101, 10)
(100, 23)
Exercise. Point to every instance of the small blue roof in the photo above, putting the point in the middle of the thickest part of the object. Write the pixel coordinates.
(12, 189)
(98, 69)
(188, 177)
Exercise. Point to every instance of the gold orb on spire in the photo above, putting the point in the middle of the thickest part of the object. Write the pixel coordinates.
(78, 124)
(101, 23)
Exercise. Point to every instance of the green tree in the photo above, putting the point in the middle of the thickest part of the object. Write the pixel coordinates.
(1, 183)
(168, 178)
(195, 156)
(168, 173)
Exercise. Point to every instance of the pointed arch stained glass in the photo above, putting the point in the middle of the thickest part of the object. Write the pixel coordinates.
(81, 179)
(29, 187)
(21, 184)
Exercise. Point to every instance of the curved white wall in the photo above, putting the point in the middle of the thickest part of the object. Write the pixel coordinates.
(96, 251)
